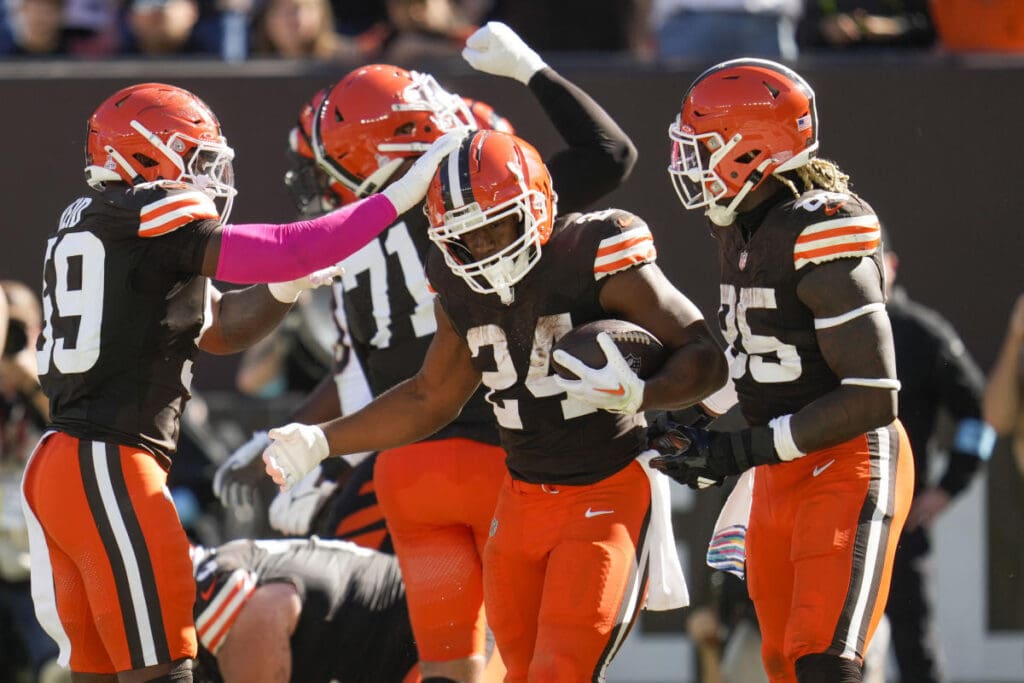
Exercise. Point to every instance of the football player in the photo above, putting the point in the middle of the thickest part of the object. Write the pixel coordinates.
(566, 563)
(127, 306)
(272, 611)
(439, 494)
(811, 355)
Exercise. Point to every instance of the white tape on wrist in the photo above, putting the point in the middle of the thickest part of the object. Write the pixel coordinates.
(825, 323)
(782, 436)
(886, 383)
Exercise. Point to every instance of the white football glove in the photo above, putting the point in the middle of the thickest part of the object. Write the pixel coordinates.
(496, 49)
(292, 511)
(237, 478)
(615, 387)
(409, 190)
(294, 451)
(288, 292)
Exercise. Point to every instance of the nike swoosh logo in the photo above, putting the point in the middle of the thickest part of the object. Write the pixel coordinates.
(821, 468)
(594, 513)
(208, 593)
(617, 391)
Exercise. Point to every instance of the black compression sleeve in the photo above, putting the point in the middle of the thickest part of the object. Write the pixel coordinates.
(600, 155)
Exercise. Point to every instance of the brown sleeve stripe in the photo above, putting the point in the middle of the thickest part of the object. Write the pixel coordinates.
(168, 214)
(628, 249)
(842, 238)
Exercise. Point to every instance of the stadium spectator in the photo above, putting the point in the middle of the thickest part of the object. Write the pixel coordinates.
(36, 28)
(161, 28)
(561, 588)
(866, 24)
(597, 25)
(712, 30)
(299, 29)
(425, 29)
(128, 269)
(979, 25)
(1004, 391)
(811, 355)
(386, 115)
(24, 411)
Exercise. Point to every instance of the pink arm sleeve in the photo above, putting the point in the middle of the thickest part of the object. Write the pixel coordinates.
(257, 252)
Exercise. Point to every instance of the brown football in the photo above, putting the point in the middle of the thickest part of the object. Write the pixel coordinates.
(641, 349)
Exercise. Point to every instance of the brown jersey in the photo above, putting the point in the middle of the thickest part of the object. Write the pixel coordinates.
(549, 437)
(388, 311)
(124, 307)
(773, 351)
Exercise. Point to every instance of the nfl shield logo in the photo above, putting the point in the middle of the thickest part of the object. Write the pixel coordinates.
(743, 260)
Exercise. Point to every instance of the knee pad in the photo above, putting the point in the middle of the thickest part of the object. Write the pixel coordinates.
(822, 668)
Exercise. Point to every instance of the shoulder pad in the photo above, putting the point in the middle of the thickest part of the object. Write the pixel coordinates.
(167, 209)
(840, 226)
(626, 241)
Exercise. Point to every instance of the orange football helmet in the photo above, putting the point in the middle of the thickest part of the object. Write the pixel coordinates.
(155, 133)
(486, 118)
(493, 175)
(741, 121)
(376, 117)
(307, 184)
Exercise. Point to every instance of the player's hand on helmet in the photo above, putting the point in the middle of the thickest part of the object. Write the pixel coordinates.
(614, 387)
(292, 511)
(288, 292)
(237, 478)
(700, 458)
(409, 190)
(496, 49)
(294, 451)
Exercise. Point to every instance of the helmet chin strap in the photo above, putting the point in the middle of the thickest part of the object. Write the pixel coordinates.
(378, 178)
(725, 215)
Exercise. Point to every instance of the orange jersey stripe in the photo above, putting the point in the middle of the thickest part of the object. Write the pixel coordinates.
(627, 261)
(620, 246)
(169, 226)
(836, 232)
(852, 248)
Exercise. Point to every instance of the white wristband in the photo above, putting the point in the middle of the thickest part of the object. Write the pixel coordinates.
(782, 436)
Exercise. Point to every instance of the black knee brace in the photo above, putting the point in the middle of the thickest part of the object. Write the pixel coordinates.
(821, 668)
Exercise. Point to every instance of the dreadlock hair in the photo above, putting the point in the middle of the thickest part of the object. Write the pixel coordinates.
(820, 174)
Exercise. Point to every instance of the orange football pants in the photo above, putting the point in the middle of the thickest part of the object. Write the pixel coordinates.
(561, 579)
(111, 574)
(820, 547)
(438, 499)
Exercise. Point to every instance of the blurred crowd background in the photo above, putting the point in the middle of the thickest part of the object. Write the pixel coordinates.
(403, 30)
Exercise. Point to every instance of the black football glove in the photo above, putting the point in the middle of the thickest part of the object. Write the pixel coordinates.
(700, 458)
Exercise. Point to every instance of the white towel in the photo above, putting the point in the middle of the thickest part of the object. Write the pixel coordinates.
(666, 586)
(728, 548)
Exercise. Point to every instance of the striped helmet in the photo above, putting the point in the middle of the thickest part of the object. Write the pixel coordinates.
(492, 176)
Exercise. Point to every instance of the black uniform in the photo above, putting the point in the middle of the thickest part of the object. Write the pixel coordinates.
(354, 624)
(937, 376)
(510, 343)
(123, 315)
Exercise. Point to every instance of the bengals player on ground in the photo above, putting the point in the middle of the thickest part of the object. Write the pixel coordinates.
(811, 354)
